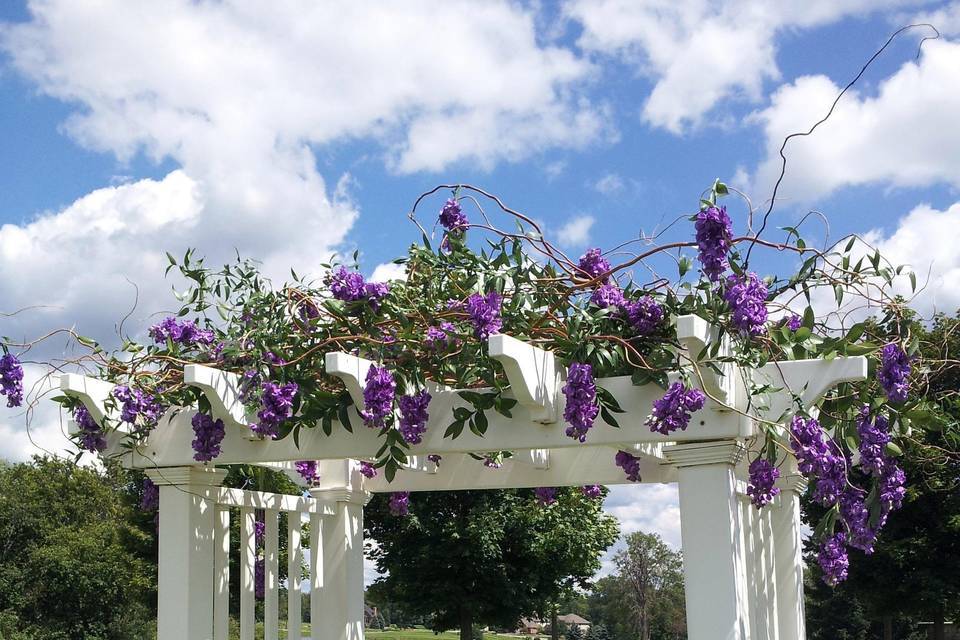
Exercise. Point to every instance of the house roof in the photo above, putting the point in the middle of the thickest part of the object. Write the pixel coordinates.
(572, 618)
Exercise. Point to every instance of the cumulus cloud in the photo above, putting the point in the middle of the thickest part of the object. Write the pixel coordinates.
(389, 271)
(700, 52)
(651, 508)
(576, 232)
(610, 184)
(904, 135)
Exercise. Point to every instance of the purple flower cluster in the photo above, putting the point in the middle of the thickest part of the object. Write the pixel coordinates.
(492, 462)
(452, 216)
(794, 323)
(853, 510)
(593, 264)
(874, 436)
(138, 409)
(581, 393)
(714, 232)
(378, 394)
(816, 458)
(208, 434)
(484, 313)
(276, 405)
(833, 559)
(249, 385)
(149, 496)
(367, 470)
(630, 465)
(91, 434)
(592, 491)
(434, 458)
(607, 295)
(349, 286)
(308, 470)
(259, 531)
(672, 411)
(441, 337)
(414, 416)
(763, 477)
(747, 297)
(186, 333)
(545, 495)
(258, 579)
(400, 503)
(645, 315)
(894, 371)
(11, 379)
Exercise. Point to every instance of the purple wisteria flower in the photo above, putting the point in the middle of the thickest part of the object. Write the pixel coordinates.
(259, 531)
(484, 313)
(492, 462)
(593, 264)
(833, 559)
(452, 216)
(375, 292)
(794, 323)
(856, 516)
(138, 409)
(91, 433)
(645, 315)
(592, 491)
(186, 333)
(258, 579)
(891, 487)
(818, 458)
(276, 406)
(414, 416)
(763, 477)
(208, 434)
(308, 470)
(607, 295)
(894, 371)
(831, 477)
(434, 458)
(346, 286)
(545, 495)
(378, 394)
(672, 411)
(368, 470)
(441, 337)
(874, 436)
(714, 234)
(747, 297)
(581, 393)
(630, 465)
(250, 384)
(11, 379)
(400, 503)
(149, 496)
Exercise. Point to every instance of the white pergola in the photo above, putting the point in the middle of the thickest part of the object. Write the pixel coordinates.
(743, 568)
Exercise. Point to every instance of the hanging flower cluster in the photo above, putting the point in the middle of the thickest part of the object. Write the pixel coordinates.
(672, 411)
(545, 495)
(592, 491)
(400, 503)
(149, 496)
(308, 470)
(601, 321)
(581, 394)
(11, 379)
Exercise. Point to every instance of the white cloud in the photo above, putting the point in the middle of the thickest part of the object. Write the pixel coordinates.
(434, 82)
(946, 19)
(700, 52)
(389, 271)
(576, 232)
(651, 508)
(904, 136)
(610, 184)
(555, 169)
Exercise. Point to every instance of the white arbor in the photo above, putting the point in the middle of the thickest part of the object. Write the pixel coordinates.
(743, 567)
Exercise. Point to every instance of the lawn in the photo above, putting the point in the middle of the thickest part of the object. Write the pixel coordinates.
(396, 634)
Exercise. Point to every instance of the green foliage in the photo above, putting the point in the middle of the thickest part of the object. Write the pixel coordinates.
(598, 632)
(573, 632)
(490, 557)
(76, 559)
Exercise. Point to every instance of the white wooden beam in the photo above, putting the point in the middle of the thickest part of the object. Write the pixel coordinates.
(695, 334)
(221, 388)
(570, 467)
(352, 370)
(809, 380)
(532, 373)
(273, 501)
(93, 393)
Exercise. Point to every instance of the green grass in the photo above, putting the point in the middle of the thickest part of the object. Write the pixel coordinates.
(371, 634)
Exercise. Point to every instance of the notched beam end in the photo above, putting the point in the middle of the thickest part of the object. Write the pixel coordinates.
(221, 388)
(532, 373)
(93, 393)
(352, 370)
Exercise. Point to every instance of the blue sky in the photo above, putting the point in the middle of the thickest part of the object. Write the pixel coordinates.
(294, 132)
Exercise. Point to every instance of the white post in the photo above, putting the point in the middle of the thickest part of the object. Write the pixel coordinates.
(713, 555)
(788, 558)
(188, 520)
(337, 614)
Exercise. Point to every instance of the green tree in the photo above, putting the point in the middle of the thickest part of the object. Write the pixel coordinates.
(486, 557)
(77, 559)
(573, 632)
(652, 575)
